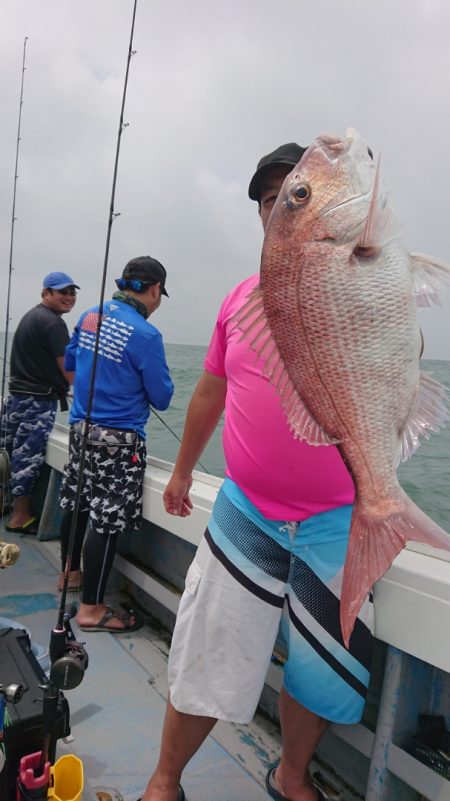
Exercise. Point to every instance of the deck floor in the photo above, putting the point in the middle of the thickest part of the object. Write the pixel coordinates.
(117, 710)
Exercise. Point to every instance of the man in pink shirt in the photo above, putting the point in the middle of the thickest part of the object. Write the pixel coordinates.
(276, 540)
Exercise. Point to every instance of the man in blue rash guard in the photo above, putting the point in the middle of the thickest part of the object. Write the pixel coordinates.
(131, 374)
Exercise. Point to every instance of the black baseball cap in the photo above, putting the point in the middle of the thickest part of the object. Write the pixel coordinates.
(146, 269)
(288, 155)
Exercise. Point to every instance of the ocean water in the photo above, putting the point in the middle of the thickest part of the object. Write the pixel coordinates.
(186, 366)
(425, 477)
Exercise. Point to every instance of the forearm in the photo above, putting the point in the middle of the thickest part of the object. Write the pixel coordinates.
(69, 375)
(204, 411)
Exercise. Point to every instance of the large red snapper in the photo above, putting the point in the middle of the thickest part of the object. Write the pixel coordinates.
(341, 343)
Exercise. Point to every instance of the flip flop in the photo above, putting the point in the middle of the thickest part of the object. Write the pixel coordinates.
(9, 554)
(112, 613)
(30, 527)
(272, 788)
(181, 795)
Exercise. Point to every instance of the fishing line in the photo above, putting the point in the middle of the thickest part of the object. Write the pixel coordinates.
(175, 435)
(87, 423)
(4, 456)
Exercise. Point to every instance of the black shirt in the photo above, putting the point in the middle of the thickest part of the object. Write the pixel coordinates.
(40, 338)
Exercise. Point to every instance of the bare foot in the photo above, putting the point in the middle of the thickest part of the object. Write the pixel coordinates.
(75, 581)
(161, 791)
(299, 791)
(21, 511)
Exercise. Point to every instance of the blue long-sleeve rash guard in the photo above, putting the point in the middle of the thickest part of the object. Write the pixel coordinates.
(131, 369)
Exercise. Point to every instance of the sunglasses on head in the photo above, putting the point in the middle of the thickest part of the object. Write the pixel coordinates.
(134, 283)
(69, 290)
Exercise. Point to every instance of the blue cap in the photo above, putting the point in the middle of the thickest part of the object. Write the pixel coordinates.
(58, 281)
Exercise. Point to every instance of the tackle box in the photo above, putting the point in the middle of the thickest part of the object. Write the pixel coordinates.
(24, 734)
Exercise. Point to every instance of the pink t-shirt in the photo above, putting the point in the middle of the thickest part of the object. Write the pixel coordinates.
(286, 479)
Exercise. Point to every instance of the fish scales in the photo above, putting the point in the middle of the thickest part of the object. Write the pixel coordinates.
(338, 293)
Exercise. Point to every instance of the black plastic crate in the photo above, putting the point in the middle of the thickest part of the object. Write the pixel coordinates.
(24, 734)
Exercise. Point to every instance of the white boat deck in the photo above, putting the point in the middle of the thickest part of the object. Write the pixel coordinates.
(117, 710)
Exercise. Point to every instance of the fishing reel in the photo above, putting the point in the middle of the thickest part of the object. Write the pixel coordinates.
(12, 692)
(69, 658)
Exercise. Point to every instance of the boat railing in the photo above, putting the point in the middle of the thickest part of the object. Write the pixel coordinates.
(412, 619)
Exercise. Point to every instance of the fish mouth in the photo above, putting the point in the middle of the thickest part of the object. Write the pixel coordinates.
(334, 147)
(331, 147)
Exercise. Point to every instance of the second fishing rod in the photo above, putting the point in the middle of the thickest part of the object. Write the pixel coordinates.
(4, 455)
(68, 658)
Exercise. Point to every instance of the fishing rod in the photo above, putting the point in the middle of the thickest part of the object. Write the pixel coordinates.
(60, 630)
(68, 658)
(4, 456)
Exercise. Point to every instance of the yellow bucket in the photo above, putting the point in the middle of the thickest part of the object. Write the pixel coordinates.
(66, 779)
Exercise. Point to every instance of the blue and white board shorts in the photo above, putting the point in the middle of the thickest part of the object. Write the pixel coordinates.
(113, 476)
(25, 427)
(247, 569)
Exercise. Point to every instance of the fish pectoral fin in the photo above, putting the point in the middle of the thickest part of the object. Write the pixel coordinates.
(252, 322)
(381, 224)
(430, 413)
(430, 275)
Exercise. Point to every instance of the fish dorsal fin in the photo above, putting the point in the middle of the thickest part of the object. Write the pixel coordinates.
(430, 275)
(252, 322)
(430, 413)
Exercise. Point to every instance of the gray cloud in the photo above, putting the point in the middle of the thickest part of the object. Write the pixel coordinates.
(212, 87)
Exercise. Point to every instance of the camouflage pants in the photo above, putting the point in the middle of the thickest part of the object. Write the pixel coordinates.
(113, 476)
(25, 425)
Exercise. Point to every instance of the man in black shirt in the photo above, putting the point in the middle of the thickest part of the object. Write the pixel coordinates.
(37, 381)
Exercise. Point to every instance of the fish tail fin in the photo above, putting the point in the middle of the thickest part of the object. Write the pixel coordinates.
(374, 543)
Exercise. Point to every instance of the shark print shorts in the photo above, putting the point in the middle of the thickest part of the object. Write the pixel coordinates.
(25, 426)
(249, 575)
(113, 476)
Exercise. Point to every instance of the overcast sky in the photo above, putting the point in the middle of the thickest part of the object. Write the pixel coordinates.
(212, 87)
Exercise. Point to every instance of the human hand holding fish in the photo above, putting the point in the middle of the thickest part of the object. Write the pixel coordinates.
(335, 322)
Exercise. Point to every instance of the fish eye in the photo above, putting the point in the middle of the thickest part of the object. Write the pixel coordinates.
(301, 192)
